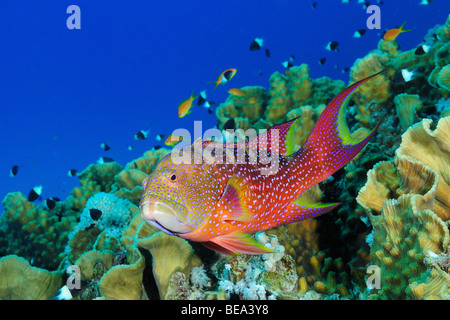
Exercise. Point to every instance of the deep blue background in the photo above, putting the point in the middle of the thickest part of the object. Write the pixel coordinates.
(63, 92)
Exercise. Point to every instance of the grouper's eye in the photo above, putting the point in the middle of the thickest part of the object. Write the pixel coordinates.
(173, 177)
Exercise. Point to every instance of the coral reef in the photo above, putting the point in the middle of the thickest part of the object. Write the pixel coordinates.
(377, 89)
(20, 281)
(258, 277)
(170, 254)
(115, 214)
(406, 106)
(394, 213)
(408, 204)
(35, 233)
(124, 281)
(261, 109)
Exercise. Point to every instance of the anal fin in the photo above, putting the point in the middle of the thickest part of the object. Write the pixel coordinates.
(238, 242)
(215, 247)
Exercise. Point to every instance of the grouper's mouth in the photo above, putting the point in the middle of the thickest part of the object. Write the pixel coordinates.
(163, 217)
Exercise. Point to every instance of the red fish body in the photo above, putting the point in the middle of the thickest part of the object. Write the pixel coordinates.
(225, 192)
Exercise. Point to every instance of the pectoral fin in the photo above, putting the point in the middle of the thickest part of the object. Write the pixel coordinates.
(231, 204)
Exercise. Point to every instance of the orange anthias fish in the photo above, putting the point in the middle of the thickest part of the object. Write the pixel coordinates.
(218, 196)
(393, 33)
(225, 76)
(237, 92)
(184, 108)
(173, 140)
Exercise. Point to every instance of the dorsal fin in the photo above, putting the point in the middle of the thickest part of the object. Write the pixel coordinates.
(264, 141)
(274, 139)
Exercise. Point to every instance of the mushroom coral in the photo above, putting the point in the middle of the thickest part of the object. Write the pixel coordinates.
(444, 78)
(403, 234)
(124, 282)
(433, 149)
(20, 281)
(170, 254)
(408, 204)
(406, 106)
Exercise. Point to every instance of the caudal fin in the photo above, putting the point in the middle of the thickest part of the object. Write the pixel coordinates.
(330, 145)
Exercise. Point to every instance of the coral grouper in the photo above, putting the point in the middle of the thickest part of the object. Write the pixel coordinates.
(235, 190)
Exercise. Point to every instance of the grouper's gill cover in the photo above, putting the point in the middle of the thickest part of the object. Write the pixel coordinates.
(219, 203)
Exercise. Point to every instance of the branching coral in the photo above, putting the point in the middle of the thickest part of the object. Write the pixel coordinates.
(245, 110)
(375, 89)
(95, 178)
(288, 91)
(34, 232)
(258, 277)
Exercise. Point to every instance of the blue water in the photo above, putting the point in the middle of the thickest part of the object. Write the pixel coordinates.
(64, 92)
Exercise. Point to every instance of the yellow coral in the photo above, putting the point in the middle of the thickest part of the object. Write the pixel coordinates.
(170, 254)
(435, 286)
(433, 149)
(444, 78)
(90, 259)
(307, 120)
(130, 178)
(392, 48)
(391, 179)
(124, 282)
(245, 110)
(287, 92)
(406, 106)
(20, 281)
(17, 208)
(375, 89)
(301, 84)
(406, 201)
